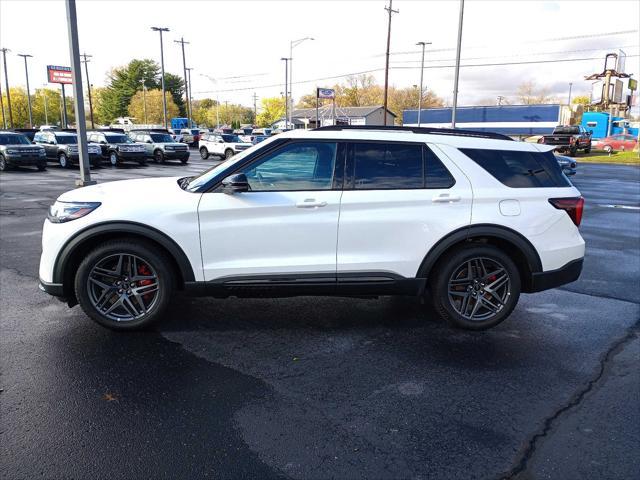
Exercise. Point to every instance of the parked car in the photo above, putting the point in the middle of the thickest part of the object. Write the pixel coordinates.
(567, 164)
(160, 146)
(62, 147)
(221, 144)
(17, 151)
(190, 136)
(569, 138)
(467, 219)
(258, 138)
(621, 142)
(118, 148)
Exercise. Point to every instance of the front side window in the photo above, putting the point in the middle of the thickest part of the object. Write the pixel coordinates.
(297, 166)
(520, 169)
(383, 166)
(159, 138)
(13, 139)
(118, 139)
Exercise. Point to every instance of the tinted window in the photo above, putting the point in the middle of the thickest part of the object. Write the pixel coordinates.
(297, 166)
(161, 138)
(13, 139)
(566, 130)
(67, 139)
(231, 138)
(520, 169)
(381, 166)
(436, 174)
(118, 139)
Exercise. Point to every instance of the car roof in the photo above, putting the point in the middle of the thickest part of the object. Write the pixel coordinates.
(390, 135)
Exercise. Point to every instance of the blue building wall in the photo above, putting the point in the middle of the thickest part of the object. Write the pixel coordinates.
(507, 119)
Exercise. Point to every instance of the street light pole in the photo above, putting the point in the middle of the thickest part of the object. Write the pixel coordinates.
(187, 84)
(386, 67)
(164, 98)
(293, 43)
(4, 119)
(46, 107)
(457, 72)
(286, 95)
(78, 96)
(86, 71)
(6, 82)
(26, 72)
(569, 101)
(144, 101)
(423, 44)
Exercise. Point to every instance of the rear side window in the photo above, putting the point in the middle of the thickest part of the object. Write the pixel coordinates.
(520, 169)
(436, 174)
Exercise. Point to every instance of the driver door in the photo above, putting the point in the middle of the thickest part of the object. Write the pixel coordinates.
(285, 226)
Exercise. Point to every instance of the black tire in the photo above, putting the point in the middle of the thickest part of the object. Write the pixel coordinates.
(114, 160)
(204, 153)
(158, 156)
(184, 160)
(64, 161)
(228, 153)
(41, 167)
(3, 164)
(448, 305)
(155, 260)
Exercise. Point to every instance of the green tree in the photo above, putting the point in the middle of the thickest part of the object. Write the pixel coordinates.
(175, 85)
(201, 111)
(153, 99)
(20, 107)
(272, 110)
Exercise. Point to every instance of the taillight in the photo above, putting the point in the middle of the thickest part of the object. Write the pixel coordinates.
(573, 206)
(541, 140)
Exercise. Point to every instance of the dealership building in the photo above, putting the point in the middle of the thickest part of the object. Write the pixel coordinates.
(308, 117)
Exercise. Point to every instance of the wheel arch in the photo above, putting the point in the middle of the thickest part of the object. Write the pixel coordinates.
(519, 249)
(76, 247)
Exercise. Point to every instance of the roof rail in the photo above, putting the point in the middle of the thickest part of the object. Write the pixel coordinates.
(424, 130)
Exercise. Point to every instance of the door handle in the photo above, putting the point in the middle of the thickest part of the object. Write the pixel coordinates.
(446, 198)
(310, 203)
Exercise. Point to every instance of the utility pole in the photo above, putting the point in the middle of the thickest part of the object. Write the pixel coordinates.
(500, 99)
(46, 107)
(457, 72)
(569, 101)
(164, 97)
(186, 82)
(255, 108)
(65, 123)
(423, 44)
(78, 96)
(4, 119)
(190, 97)
(144, 102)
(86, 71)
(286, 95)
(390, 10)
(26, 72)
(6, 82)
(293, 43)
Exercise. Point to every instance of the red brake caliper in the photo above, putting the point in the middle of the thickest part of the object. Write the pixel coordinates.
(143, 269)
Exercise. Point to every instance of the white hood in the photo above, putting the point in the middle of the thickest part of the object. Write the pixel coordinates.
(126, 191)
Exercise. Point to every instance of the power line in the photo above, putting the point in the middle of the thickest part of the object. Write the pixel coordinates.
(375, 70)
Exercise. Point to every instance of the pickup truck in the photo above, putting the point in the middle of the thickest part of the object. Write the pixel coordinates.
(569, 138)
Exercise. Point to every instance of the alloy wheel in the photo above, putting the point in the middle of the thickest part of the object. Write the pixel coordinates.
(479, 288)
(113, 158)
(123, 287)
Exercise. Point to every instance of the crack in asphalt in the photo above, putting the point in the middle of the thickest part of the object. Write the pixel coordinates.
(531, 445)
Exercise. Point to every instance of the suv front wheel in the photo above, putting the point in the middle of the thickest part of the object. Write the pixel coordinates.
(124, 284)
(475, 287)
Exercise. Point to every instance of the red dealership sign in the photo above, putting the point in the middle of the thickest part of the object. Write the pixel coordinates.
(57, 74)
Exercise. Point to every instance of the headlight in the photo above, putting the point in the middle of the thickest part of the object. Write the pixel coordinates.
(61, 212)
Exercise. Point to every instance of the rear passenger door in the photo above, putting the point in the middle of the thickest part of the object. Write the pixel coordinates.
(399, 200)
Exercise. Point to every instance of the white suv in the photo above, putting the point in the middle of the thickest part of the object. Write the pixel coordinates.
(469, 219)
(224, 145)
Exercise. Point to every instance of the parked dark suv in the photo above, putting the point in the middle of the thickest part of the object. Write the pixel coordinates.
(62, 147)
(16, 151)
(118, 148)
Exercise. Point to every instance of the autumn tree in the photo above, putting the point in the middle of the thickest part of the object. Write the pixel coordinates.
(20, 107)
(581, 100)
(201, 111)
(271, 110)
(230, 113)
(530, 94)
(154, 108)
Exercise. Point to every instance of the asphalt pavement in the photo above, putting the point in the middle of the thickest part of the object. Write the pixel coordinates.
(323, 387)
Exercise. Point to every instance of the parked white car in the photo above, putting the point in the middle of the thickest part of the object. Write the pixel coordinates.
(224, 145)
(469, 220)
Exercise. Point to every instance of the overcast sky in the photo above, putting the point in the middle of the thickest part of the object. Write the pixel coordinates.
(247, 39)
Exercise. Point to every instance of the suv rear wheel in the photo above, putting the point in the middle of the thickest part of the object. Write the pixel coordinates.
(124, 284)
(475, 287)
(228, 153)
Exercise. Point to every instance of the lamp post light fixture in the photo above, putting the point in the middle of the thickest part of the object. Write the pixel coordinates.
(164, 98)
(292, 44)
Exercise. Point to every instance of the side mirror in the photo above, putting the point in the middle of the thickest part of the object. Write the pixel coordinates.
(149, 141)
(103, 142)
(236, 183)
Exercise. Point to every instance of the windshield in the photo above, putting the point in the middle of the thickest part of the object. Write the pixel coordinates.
(161, 138)
(67, 139)
(118, 139)
(196, 182)
(231, 138)
(566, 130)
(13, 139)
